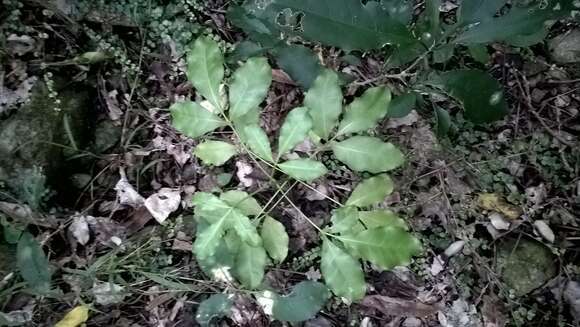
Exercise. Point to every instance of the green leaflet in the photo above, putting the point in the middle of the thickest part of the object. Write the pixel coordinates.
(250, 264)
(341, 272)
(258, 142)
(294, 130)
(207, 242)
(380, 218)
(242, 201)
(205, 69)
(386, 247)
(364, 153)
(365, 112)
(193, 120)
(371, 191)
(305, 170)
(249, 86)
(216, 306)
(442, 122)
(215, 153)
(345, 220)
(275, 239)
(33, 264)
(324, 101)
(402, 105)
(305, 300)
(299, 62)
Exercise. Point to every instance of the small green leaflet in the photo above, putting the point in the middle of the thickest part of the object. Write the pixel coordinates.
(33, 264)
(324, 101)
(216, 306)
(341, 272)
(402, 105)
(249, 86)
(193, 120)
(345, 220)
(305, 170)
(207, 242)
(258, 142)
(215, 153)
(205, 69)
(294, 130)
(380, 218)
(364, 153)
(242, 201)
(303, 303)
(371, 191)
(299, 62)
(250, 265)
(365, 112)
(275, 239)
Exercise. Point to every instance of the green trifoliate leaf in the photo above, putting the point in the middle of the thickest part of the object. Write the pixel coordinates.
(341, 272)
(365, 112)
(380, 218)
(345, 220)
(205, 69)
(305, 301)
(294, 130)
(324, 101)
(258, 142)
(193, 120)
(364, 153)
(371, 191)
(242, 201)
(250, 264)
(249, 87)
(275, 239)
(386, 247)
(215, 153)
(33, 264)
(216, 306)
(304, 170)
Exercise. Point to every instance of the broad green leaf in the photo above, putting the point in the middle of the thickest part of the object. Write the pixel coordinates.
(275, 239)
(304, 170)
(242, 201)
(250, 264)
(303, 303)
(294, 130)
(345, 220)
(365, 112)
(210, 207)
(215, 153)
(443, 54)
(299, 62)
(33, 264)
(205, 69)
(481, 95)
(402, 105)
(249, 86)
(364, 153)
(479, 53)
(371, 191)
(245, 229)
(207, 241)
(443, 121)
(380, 218)
(258, 142)
(222, 261)
(386, 247)
(216, 306)
(476, 11)
(341, 272)
(245, 50)
(324, 101)
(193, 120)
(348, 24)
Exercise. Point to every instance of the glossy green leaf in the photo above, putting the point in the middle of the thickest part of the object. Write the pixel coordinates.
(402, 105)
(345, 220)
(205, 69)
(303, 303)
(380, 218)
(386, 247)
(242, 201)
(294, 130)
(299, 62)
(304, 170)
(364, 153)
(250, 265)
(275, 239)
(366, 111)
(324, 101)
(33, 264)
(216, 306)
(215, 153)
(193, 120)
(481, 95)
(371, 191)
(258, 142)
(341, 272)
(249, 86)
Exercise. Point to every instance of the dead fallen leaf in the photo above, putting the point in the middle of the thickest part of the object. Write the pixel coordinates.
(396, 307)
(498, 221)
(126, 194)
(493, 202)
(544, 230)
(75, 317)
(163, 203)
(243, 172)
(80, 229)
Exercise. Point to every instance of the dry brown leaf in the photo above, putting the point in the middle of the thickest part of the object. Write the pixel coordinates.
(396, 307)
(493, 202)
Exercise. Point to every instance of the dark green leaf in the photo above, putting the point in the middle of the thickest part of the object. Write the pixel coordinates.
(299, 62)
(33, 264)
(479, 53)
(443, 121)
(402, 105)
(365, 111)
(245, 50)
(477, 11)
(216, 306)
(442, 54)
(306, 299)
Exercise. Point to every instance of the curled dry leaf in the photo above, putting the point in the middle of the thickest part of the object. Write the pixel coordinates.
(127, 194)
(544, 230)
(163, 203)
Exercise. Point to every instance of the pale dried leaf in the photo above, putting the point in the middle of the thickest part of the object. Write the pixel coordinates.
(499, 222)
(544, 230)
(163, 203)
(243, 172)
(80, 229)
(126, 194)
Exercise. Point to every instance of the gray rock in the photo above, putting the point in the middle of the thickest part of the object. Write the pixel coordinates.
(565, 48)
